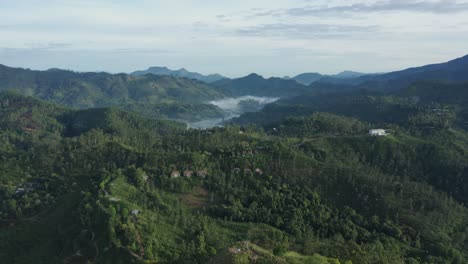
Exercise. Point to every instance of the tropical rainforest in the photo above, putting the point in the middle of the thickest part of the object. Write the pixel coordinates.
(95, 168)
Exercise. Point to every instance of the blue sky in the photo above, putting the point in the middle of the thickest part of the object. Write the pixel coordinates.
(234, 38)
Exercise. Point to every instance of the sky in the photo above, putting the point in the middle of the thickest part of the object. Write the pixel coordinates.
(233, 38)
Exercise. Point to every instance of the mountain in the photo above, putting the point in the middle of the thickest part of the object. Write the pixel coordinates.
(340, 78)
(180, 73)
(431, 105)
(256, 85)
(28, 114)
(307, 78)
(437, 92)
(452, 72)
(175, 97)
(348, 75)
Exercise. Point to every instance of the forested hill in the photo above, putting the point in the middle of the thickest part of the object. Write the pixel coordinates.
(454, 71)
(432, 104)
(256, 85)
(107, 186)
(29, 115)
(170, 97)
(342, 77)
(180, 73)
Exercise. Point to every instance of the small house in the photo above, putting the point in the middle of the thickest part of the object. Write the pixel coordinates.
(175, 174)
(236, 170)
(202, 173)
(258, 171)
(378, 132)
(188, 173)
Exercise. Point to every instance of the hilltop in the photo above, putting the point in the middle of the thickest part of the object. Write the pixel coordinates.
(172, 97)
(180, 73)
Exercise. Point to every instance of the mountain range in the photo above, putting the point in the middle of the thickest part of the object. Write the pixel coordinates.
(254, 84)
(152, 95)
(163, 95)
(91, 172)
(311, 77)
(180, 73)
(452, 71)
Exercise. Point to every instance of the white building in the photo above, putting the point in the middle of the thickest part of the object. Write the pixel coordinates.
(377, 132)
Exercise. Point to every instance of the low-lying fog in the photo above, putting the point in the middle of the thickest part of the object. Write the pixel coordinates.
(234, 107)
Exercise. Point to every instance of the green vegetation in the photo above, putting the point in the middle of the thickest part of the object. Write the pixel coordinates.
(99, 185)
(151, 95)
(256, 85)
(404, 109)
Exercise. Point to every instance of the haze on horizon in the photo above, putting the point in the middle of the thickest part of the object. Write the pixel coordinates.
(233, 38)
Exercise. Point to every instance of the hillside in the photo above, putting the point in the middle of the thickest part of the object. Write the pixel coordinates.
(246, 252)
(343, 77)
(175, 96)
(453, 71)
(101, 185)
(256, 85)
(30, 115)
(180, 73)
(433, 103)
(307, 78)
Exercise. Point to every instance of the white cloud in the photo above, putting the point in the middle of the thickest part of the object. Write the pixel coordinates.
(232, 37)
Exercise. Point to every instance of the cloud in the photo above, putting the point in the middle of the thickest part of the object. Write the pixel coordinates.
(47, 46)
(330, 9)
(306, 31)
(212, 36)
(41, 48)
(141, 51)
(437, 7)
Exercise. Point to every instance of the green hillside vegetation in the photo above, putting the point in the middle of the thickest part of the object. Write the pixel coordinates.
(98, 185)
(318, 124)
(452, 72)
(437, 92)
(245, 253)
(256, 85)
(180, 73)
(170, 96)
(391, 110)
(175, 111)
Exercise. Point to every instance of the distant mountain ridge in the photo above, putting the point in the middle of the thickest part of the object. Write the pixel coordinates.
(165, 96)
(311, 77)
(440, 83)
(180, 73)
(307, 78)
(256, 85)
(453, 71)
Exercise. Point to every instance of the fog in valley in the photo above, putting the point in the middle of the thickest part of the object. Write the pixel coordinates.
(234, 107)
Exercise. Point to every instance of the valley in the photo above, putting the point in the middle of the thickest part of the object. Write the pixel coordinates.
(174, 170)
(232, 108)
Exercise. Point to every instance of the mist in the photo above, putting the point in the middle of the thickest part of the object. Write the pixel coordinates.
(234, 107)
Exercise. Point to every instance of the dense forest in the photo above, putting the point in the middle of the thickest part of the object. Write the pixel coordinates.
(108, 186)
(166, 96)
(93, 171)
